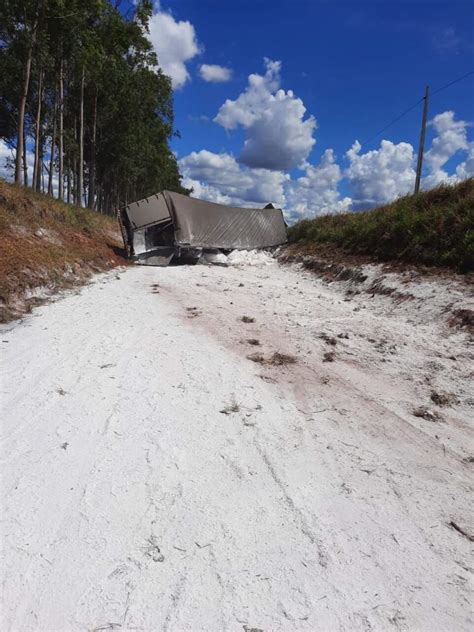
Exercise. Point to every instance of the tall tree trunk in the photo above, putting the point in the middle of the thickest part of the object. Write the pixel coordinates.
(20, 145)
(74, 180)
(43, 183)
(80, 175)
(68, 179)
(75, 174)
(90, 201)
(53, 146)
(25, 163)
(36, 179)
(61, 128)
(39, 170)
(116, 200)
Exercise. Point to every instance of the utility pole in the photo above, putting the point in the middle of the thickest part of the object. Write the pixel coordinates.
(421, 147)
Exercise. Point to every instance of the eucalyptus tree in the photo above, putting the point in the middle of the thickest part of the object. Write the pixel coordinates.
(18, 32)
(82, 82)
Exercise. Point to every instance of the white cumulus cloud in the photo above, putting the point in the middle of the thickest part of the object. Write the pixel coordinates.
(380, 175)
(215, 73)
(375, 177)
(465, 169)
(316, 193)
(175, 44)
(7, 156)
(451, 138)
(383, 174)
(220, 178)
(278, 136)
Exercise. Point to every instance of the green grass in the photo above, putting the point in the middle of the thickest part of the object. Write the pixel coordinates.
(433, 228)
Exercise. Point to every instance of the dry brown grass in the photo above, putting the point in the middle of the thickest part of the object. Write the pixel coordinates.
(441, 398)
(425, 413)
(463, 318)
(276, 359)
(44, 242)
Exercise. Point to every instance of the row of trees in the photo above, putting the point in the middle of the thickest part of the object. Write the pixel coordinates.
(80, 88)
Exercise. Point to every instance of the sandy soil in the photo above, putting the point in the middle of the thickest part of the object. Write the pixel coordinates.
(156, 478)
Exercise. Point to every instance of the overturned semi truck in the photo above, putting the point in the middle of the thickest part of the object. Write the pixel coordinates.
(170, 226)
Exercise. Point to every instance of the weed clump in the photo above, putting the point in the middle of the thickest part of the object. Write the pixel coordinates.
(425, 413)
(443, 399)
(247, 319)
(329, 356)
(233, 407)
(276, 359)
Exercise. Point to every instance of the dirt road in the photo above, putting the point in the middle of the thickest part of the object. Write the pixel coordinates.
(156, 478)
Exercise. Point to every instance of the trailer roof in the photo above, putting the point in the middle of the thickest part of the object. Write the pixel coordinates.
(208, 225)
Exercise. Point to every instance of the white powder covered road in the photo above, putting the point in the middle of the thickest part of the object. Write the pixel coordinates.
(155, 478)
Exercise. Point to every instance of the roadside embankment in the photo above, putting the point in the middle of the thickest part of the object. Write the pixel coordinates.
(446, 296)
(433, 228)
(46, 245)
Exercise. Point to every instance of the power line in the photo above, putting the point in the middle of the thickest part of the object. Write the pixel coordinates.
(392, 122)
(447, 85)
(452, 82)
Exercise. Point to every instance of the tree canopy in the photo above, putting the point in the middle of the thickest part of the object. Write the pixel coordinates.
(80, 82)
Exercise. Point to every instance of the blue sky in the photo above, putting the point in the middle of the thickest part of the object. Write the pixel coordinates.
(270, 97)
(355, 65)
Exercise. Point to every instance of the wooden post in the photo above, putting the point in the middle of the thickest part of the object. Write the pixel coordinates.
(421, 147)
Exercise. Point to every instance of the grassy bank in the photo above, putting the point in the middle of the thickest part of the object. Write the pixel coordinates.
(433, 228)
(47, 244)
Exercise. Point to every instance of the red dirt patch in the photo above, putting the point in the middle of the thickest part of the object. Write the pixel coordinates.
(45, 243)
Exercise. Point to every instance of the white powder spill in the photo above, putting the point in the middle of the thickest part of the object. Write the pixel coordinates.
(153, 477)
(238, 258)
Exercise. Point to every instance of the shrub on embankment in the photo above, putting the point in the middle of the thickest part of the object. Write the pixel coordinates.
(47, 244)
(433, 228)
